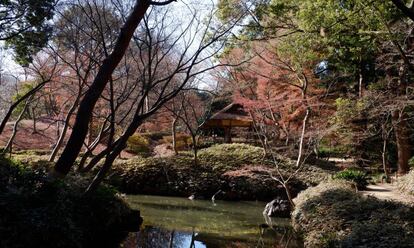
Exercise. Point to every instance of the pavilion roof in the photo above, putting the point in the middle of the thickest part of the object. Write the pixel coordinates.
(233, 115)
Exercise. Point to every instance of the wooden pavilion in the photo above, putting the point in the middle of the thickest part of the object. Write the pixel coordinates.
(233, 115)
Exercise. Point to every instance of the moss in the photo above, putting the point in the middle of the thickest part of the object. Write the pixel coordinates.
(39, 212)
(333, 214)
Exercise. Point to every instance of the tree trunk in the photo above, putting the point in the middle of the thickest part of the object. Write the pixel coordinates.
(360, 85)
(258, 133)
(195, 147)
(361, 80)
(34, 120)
(89, 135)
(113, 152)
(21, 99)
(227, 135)
(64, 131)
(80, 128)
(289, 194)
(9, 144)
(174, 135)
(402, 136)
(384, 158)
(302, 137)
(305, 119)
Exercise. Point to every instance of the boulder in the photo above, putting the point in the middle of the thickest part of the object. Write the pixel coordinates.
(279, 208)
(131, 222)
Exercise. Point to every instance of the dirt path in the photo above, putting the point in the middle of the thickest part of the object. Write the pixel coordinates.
(163, 151)
(388, 192)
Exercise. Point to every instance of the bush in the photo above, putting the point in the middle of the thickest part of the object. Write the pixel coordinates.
(406, 183)
(353, 175)
(155, 136)
(227, 156)
(411, 162)
(182, 141)
(332, 214)
(337, 151)
(38, 212)
(138, 144)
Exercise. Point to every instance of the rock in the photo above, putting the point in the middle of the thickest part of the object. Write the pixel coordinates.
(132, 222)
(278, 208)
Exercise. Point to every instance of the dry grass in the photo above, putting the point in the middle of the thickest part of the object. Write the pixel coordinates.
(406, 183)
(333, 214)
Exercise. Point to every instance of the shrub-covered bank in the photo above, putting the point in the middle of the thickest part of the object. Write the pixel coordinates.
(333, 214)
(406, 183)
(237, 170)
(36, 212)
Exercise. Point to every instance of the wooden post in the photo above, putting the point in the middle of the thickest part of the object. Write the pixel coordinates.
(227, 134)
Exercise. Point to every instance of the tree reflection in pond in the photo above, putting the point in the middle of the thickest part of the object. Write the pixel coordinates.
(159, 237)
(175, 222)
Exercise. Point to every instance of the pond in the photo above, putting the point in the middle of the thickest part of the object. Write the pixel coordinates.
(183, 223)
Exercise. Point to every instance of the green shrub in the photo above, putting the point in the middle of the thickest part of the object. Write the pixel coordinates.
(336, 151)
(138, 144)
(228, 156)
(155, 136)
(353, 175)
(182, 141)
(411, 162)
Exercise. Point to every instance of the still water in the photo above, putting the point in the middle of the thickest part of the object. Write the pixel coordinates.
(182, 223)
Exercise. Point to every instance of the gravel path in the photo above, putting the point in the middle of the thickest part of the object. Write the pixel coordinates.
(388, 192)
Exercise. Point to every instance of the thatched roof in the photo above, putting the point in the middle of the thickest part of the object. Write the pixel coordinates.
(232, 115)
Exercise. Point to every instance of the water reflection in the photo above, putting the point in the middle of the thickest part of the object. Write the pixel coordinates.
(181, 223)
(159, 237)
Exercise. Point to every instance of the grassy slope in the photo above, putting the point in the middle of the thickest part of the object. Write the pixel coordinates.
(238, 169)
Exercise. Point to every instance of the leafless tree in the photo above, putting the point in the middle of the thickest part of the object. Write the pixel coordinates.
(146, 66)
(189, 108)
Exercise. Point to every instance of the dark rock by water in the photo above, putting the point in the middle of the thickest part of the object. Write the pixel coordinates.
(278, 208)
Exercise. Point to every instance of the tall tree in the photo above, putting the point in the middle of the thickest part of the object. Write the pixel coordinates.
(350, 41)
(165, 55)
(87, 104)
(24, 26)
